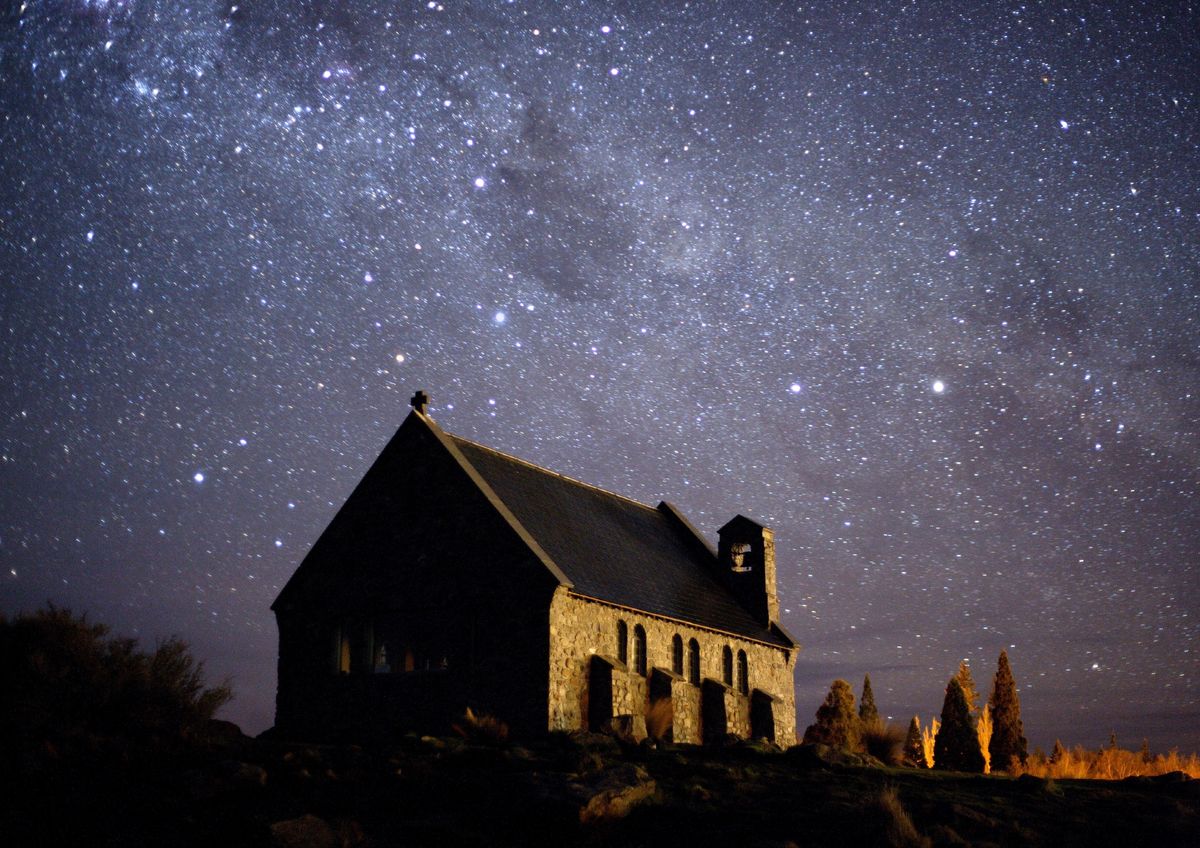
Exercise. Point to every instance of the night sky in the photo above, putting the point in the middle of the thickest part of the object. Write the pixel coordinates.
(915, 284)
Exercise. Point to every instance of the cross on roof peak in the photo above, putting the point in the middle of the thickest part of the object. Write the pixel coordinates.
(419, 401)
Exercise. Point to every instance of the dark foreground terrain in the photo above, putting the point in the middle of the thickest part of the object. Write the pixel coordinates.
(584, 790)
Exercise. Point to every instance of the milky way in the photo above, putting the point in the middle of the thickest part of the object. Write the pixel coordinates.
(915, 285)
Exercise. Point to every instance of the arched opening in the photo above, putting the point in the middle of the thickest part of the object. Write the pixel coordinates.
(677, 654)
(639, 650)
(623, 642)
(727, 666)
(743, 673)
(693, 662)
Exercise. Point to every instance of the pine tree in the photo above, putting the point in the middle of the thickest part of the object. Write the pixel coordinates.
(867, 713)
(1145, 752)
(967, 682)
(957, 747)
(1008, 734)
(914, 751)
(837, 723)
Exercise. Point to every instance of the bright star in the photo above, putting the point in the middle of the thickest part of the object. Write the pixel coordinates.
(795, 388)
(499, 317)
(198, 476)
(480, 182)
(938, 387)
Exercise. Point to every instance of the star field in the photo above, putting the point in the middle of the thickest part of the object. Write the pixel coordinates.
(917, 286)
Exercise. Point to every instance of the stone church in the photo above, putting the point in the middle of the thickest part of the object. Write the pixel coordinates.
(457, 576)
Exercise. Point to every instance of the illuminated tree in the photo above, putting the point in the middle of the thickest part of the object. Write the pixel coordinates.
(914, 751)
(983, 732)
(957, 747)
(967, 682)
(1008, 735)
(837, 723)
(867, 713)
(929, 740)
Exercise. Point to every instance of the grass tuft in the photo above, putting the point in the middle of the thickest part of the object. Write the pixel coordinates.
(483, 729)
(884, 742)
(898, 825)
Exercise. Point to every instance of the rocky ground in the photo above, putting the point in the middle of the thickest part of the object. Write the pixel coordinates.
(580, 790)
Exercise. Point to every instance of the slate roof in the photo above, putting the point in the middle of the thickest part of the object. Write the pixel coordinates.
(615, 549)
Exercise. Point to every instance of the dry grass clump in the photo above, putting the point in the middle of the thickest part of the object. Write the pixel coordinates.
(898, 825)
(1107, 764)
(660, 715)
(482, 729)
(884, 742)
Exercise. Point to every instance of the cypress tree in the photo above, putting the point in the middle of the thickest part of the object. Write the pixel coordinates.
(867, 713)
(1008, 735)
(837, 723)
(957, 747)
(914, 751)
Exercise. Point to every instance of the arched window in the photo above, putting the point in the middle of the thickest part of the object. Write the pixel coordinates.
(694, 662)
(623, 641)
(677, 654)
(743, 673)
(727, 665)
(639, 649)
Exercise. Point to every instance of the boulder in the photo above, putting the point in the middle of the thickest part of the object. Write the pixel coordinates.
(617, 791)
(308, 831)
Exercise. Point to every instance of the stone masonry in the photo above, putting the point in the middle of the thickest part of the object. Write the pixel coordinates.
(581, 628)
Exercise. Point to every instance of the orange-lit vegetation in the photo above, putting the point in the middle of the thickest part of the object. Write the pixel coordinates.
(967, 738)
(1108, 764)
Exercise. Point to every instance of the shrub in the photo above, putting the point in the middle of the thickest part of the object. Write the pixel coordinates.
(884, 742)
(837, 723)
(482, 729)
(70, 687)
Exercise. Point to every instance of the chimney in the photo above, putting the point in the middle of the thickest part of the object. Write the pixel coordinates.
(746, 559)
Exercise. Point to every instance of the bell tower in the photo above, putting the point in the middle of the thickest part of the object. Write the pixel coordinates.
(746, 559)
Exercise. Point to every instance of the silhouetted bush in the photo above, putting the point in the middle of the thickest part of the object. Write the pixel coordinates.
(482, 728)
(70, 689)
(884, 742)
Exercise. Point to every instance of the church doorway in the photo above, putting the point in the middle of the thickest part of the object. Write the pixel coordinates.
(599, 695)
(762, 716)
(714, 723)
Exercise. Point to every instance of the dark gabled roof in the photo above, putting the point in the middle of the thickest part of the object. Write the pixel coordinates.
(614, 549)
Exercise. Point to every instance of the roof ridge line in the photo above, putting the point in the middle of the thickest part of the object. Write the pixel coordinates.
(552, 472)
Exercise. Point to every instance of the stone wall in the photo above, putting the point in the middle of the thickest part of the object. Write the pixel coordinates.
(581, 628)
